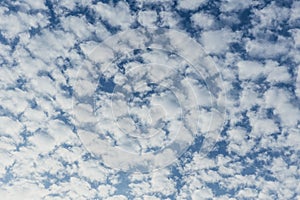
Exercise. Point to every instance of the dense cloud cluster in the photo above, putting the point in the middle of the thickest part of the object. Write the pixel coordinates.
(77, 73)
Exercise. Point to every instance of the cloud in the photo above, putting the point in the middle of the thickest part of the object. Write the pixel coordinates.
(235, 5)
(218, 41)
(147, 18)
(118, 15)
(266, 49)
(59, 137)
(188, 5)
(250, 69)
(295, 14)
(203, 20)
(279, 99)
(298, 84)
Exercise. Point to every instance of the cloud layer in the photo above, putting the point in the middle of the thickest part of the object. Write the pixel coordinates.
(94, 91)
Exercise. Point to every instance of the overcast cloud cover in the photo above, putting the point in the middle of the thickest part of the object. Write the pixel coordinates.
(150, 99)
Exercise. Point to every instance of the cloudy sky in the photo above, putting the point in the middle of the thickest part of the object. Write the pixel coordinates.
(136, 99)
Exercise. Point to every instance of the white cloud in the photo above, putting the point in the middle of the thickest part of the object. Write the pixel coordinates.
(7, 28)
(6, 159)
(270, 16)
(98, 53)
(15, 105)
(238, 143)
(157, 182)
(168, 19)
(69, 4)
(23, 189)
(13, 24)
(117, 16)
(84, 113)
(49, 45)
(140, 188)
(235, 5)
(190, 5)
(263, 126)
(203, 193)
(203, 20)
(162, 183)
(280, 100)
(296, 37)
(106, 190)
(266, 49)
(250, 70)
(249, 97)
(11, 129)
(76, 188)
(60, 131)
(117, 197)
(295, 13)
(78, 26)
(33, 119)
(36, 4)
(247, 193)
(147, 18)
(42, 142)
(147, 197)
(218, 41)
(44, 85)
(293, 138)
(298, 83)
(277, 74)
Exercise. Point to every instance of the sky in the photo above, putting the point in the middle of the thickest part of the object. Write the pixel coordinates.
(135, 99)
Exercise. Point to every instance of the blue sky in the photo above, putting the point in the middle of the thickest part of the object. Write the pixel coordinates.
(184, 99)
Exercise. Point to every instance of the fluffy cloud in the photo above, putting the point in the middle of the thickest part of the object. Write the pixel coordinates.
(218, 41)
